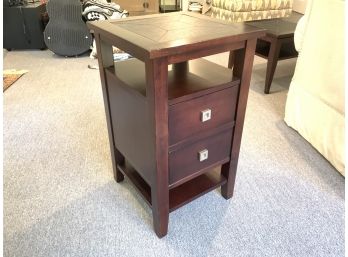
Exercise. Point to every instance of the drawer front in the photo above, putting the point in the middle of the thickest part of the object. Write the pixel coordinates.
(192, 159)
(202, 114)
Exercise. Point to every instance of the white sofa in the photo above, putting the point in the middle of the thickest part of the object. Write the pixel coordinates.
(315, 102)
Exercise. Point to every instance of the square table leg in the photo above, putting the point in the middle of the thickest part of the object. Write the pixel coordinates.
(120, 160)
(105, 59)
(157, 97)
(242, 67)
(273, 56)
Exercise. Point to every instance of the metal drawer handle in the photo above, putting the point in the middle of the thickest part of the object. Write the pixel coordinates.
(205, 115)
(203, 155)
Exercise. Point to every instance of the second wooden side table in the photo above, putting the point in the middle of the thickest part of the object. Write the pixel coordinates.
(277, 44)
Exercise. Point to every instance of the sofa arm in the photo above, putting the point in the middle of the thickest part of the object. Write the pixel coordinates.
(301, 27)
(299, 34)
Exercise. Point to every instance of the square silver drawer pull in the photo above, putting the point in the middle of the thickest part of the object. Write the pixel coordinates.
(203, 155)
(205, 115)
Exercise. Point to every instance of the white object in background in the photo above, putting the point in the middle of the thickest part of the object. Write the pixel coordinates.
(299, 33)
(121, 57)
(315, 105)
(299, 6)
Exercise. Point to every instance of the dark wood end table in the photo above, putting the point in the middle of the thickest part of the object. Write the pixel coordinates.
(174, 118)
(277, 44)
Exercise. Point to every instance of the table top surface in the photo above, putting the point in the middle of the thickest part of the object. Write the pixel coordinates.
(279, 27)
(160, 34)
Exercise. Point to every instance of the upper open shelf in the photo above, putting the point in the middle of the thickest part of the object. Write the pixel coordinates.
(185, 80)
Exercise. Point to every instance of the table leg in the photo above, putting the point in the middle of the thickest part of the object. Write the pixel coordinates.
(242, 67)
(105, 59)
(231, 60)
(272, 63)
(119, 177)
(157, 96)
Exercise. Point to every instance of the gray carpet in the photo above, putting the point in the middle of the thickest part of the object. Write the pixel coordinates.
(60, 198)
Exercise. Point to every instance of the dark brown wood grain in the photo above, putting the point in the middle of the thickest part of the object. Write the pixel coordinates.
(243, 63)
(130, 116)
(180, 195)
(155, 36)
(153, 105)
(200, 77)
(105, 59)
(277, 44)
(279, 27)
(274, 49)
(273, 56)
(206, 50)
(120, 160)
(200, 136)
(287, 49)
(230, 60)
(184, 163)
(185, 118)
(195, 188)
(137, 181)
(157, 94)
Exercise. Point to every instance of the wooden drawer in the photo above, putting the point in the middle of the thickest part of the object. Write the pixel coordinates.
(185, 118)
(185, 163)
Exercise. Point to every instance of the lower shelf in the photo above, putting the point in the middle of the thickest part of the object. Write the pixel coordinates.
(182, 194)
(287, 50)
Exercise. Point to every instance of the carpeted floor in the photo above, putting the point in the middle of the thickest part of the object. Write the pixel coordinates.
(60, 198)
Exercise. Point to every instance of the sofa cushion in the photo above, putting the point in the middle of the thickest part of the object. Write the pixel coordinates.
(239, 11)
(315, 105)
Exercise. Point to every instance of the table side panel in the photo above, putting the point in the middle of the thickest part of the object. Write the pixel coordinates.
(105, 59)
(130, 122)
